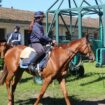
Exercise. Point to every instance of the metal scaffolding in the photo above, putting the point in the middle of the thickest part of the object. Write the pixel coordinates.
(78, 8)
(0, 3)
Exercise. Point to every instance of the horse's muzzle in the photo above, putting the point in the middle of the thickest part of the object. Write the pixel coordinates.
(92, 57)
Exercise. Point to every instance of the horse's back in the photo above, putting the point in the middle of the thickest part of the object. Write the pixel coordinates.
(14, 53)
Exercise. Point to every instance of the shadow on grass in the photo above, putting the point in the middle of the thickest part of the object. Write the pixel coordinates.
(59, 101)
(76, 77)
(100, 77)
(26, 79)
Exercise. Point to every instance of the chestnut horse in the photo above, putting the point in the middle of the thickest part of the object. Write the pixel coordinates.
(57, 67)
(3, 48)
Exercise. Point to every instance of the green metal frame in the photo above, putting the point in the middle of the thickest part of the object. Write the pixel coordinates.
(0, 3)
(100, 60)
(79, 12)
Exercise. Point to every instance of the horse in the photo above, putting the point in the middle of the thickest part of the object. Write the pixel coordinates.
(56, 68)
(4, 47)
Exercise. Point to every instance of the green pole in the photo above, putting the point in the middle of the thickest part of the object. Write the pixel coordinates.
(70, 25)
(57, 26)
(104, 26)
(47, 24)
(100, 31)
(0, 3)
(79, 24)
(69, 2)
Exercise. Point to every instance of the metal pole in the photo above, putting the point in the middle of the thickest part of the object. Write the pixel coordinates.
(79, 24)
(97, 4)
(47, 24)
(69, 1)
(53, 4)
(101, 31)
(53, 21)
(75, 3)
(103, 26)
(89, 5)
(64, 23)
(57, 26)
(0, 3)
(82, 3)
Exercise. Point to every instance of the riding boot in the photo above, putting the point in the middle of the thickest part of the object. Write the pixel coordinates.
(32, 59)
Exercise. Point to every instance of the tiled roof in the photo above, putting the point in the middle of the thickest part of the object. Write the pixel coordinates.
(14, 14)
(90, 22)
(22, 15)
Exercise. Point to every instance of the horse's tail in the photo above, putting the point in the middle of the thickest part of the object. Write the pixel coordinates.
(3, 75)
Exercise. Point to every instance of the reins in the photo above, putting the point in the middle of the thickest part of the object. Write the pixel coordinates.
(73, 53)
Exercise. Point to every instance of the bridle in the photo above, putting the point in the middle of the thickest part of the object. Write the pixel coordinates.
(87, 47)
(82, 47)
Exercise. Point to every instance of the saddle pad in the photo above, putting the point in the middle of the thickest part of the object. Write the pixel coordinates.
(26, 52)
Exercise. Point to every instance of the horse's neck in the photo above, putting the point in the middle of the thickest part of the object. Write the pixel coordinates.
(73, 49)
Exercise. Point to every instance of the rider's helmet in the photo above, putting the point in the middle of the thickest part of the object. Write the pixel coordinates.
(39, 14)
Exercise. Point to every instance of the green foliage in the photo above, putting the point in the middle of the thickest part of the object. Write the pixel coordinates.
(1, 63)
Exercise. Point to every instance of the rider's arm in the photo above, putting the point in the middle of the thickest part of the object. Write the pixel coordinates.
(8, 41)
(40, 35)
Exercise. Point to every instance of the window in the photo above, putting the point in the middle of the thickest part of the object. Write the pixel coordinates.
(26, 37)
(2, 34)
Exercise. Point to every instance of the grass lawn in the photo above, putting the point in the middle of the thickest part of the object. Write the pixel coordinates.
(89, 90)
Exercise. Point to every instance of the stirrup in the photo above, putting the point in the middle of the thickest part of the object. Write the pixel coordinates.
(37, 70)
(31, 67)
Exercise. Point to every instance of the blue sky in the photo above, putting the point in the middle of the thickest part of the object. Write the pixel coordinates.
(32, 5)
(37, 5)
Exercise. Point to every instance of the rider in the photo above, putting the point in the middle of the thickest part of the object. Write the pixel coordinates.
(37, 38)
(14, 37)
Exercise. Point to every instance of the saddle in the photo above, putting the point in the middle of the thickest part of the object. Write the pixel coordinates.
(40, 63)
(26, 52)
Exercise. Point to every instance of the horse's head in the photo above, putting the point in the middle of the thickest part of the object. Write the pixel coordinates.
(85, 48)
(3, 48)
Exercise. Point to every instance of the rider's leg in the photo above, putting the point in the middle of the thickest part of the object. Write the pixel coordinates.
(39, 52)
(33, 58)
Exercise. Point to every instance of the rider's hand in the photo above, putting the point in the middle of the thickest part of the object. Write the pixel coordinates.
(54, 42)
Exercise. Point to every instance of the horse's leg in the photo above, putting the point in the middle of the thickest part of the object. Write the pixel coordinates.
(8, 82)
(63, 88)
(46, 82)
(17, 77)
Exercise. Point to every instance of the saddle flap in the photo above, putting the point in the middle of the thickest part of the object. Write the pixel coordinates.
(26, 52)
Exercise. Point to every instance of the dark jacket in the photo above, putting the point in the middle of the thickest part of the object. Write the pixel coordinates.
(37, 35)
(14, 38)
